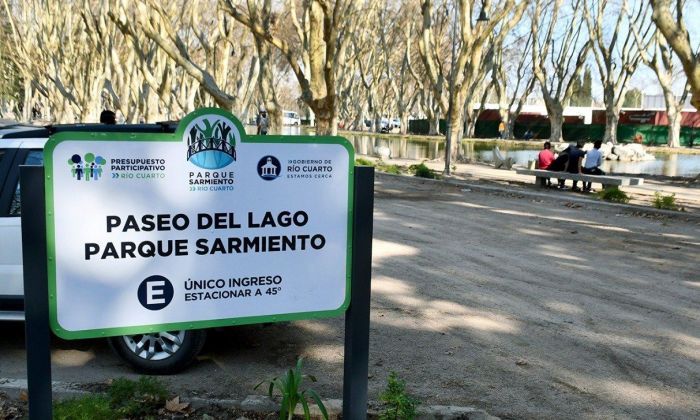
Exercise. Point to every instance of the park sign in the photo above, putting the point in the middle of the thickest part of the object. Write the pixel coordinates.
(200, 228)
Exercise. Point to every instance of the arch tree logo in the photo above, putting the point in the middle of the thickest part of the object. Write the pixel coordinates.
(211, 142)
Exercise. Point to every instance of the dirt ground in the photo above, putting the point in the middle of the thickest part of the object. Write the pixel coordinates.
(525, 307)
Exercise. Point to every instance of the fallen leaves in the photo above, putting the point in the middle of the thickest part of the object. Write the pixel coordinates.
(175, 406)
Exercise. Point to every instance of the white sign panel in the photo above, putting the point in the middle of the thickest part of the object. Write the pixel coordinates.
(204, 227)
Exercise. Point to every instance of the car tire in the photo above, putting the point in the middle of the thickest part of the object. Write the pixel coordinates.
(162, 353)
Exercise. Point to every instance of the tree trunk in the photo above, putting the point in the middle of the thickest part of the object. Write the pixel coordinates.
(404, 122)
(358, 123)
(510, 127)
(326, 122)
(674, 126)
(471, 128)
(456, 129)
(275, 112)
(376, 121)
(505, 117)
(556, 120)
(266, 85)
(27, 105)
(434, 124)
(611, 120)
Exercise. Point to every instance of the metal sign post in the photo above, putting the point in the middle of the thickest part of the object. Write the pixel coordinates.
(36, 292)
(357, 315)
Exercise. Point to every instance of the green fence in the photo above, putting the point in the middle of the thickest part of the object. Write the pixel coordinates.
(423, 126)
(652, 134)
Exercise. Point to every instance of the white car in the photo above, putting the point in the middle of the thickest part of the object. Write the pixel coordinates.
(290, 118)
(156, 353)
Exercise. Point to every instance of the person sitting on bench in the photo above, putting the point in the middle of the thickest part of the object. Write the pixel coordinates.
(559, 164)
(545, 159)
(575, 158)
(594, 159)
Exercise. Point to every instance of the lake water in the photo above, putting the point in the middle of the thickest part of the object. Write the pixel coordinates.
(411, 148)
(408, 148)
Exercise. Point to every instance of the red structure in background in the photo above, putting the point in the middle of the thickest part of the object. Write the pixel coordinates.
(689, 119)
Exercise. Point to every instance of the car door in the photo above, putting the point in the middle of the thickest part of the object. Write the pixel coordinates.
(11, 283)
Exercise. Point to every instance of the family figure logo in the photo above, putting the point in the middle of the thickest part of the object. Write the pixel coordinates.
(211, 145)
(86, 168)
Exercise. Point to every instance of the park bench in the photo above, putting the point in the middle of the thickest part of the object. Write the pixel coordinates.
(605, 180)
(499, 161)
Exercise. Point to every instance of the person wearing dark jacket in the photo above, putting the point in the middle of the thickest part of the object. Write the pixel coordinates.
(576, 155)
(560, 163)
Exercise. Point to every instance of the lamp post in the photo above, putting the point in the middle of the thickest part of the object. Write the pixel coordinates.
(448, 138)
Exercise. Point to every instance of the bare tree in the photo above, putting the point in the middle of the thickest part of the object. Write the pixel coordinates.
(473, 39)
(558, 55)
(396, 48)
(676, 33)
(323, 35)
(263, 16)
(663, 61)
(53, 50)
(615, 51)
(203, 44)
(513, 79)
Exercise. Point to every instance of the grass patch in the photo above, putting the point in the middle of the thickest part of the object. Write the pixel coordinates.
(422, 171)
(363, 162)
(124, 399)
(614, 194)
(137, 398)
(380, 165)
(665, 202)
(85, 408)
(388, 168)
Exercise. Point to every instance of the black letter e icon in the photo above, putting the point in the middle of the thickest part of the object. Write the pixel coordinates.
(155, 293)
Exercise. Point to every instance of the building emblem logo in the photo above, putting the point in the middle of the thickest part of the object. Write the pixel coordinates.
(269, 168)
(86, 168)
(211, 142)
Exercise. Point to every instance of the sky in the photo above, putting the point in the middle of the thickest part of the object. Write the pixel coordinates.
(644, 78)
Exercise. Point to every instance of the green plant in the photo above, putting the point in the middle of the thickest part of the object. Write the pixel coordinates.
(614, 194)
(388, 168)
(137, 398)
(363, 162)
(665, 202)
(399, 404)
(84, 408)
(420, 170)
(289, 388)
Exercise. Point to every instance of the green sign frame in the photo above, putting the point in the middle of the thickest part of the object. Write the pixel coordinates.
(51, 240)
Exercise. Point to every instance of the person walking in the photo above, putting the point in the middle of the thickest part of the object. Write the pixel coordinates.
(263, 122)
(501, 129)
(594, 160)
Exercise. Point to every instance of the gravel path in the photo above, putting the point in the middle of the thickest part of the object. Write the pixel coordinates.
(525, 307)
(537, 308)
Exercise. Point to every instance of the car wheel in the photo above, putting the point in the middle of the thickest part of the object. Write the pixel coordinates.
(161, 353)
